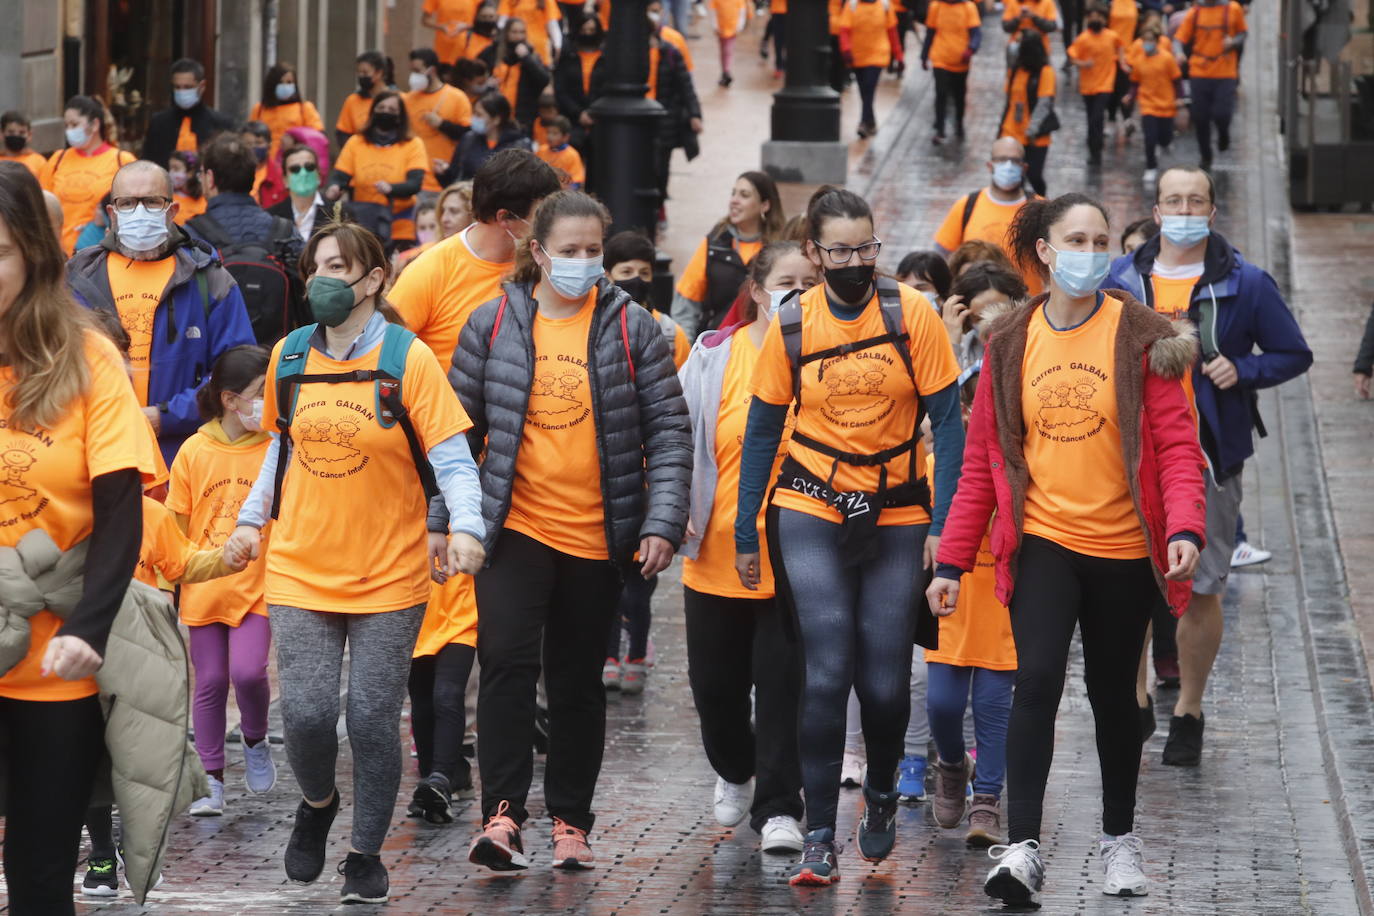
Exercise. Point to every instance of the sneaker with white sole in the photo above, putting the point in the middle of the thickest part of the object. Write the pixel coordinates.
(1019, 874)
(819, 866)
(610, 674)
(102, 878)
(365, 879)
(852, 768)
(211, 805)
(1247, 555)
(1123, 860)
(782, 835)
(911, 778)
(259, 770)
(732, 801)
(632, 676)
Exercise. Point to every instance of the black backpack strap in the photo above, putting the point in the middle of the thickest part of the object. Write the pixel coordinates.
(790, 321)
(969, 203)
(894, 320)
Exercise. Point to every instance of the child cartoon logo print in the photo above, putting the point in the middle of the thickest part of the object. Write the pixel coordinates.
(329, 429)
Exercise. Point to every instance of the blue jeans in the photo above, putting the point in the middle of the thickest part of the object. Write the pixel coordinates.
(856, 624)
(947, 695)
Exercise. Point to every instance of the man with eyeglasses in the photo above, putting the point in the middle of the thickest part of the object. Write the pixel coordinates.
(1189, 271)
(986, 214)
(182, 309)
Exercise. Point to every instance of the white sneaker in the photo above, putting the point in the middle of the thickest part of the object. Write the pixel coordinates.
(1124, 861)
(852, 769)
(733, 801)
(211, 805)
(259, 771)
(1019, 874)
(782, 835)
(1245, 555)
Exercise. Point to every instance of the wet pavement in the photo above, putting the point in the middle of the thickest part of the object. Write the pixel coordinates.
(1263, 826)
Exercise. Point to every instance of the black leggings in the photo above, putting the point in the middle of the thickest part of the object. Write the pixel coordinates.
(1110, 601)
(636, 613)
(438, 714)
(52, 751)
(950, 87)
(735, 645)
(1035, 167)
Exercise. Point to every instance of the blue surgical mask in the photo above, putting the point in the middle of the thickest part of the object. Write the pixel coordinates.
(1185, 231)
(1080, 273)
(478, 125)
(77, 137)
(1007, 175)
(1149, 47)
(141, 229)
(285, 92)
(186, 98)
(573, 278)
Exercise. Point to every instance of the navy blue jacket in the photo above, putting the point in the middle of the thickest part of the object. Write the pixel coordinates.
(189, 331)
(240, 216)
(1250, 314)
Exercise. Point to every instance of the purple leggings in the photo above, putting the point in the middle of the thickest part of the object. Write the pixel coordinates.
(223, 654)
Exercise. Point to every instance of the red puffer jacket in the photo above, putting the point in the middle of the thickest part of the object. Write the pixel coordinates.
(1161, 446)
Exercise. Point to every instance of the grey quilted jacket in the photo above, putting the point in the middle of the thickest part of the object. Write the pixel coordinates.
(643, 433)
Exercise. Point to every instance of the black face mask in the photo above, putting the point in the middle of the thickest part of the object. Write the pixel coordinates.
(485, 29)
(852, 284)
(15, 142)
(640, 290)
(365, 84)
(386, 121)
(1096, 26)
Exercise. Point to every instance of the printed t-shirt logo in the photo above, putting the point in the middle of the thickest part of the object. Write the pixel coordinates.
(854, 389)
(20, 500)
(559, 398)
(325, 433)
(223, 519)
(1068, 410)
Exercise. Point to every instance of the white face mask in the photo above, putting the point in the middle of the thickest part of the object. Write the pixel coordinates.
(775, 297)
(573, 278)
(418, 82)
(252, 421)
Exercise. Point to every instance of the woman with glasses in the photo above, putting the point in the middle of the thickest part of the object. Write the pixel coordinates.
(304, 206)
(858, 361)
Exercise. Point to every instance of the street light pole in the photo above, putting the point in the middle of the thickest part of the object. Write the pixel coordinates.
(805, 144)
(626, 123)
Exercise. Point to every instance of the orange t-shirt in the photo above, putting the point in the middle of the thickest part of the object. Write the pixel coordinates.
(210, 481)
(988, 222)
(138, 287)
(342, 460)
(450, 13)
(567, 159)
(674, 38)
(952, 23)
(730, 15)
(1018, 116)
(1172, 298)
(165, 550)
(80, 181)
(536, 22)
(692, 283)
(1123, 18)
(1043, 9)
(281, 118)
(1155, 73)
(188, 207)
(471, 45)
(868, 40)
(589, 59)
(1206, 28)
(354, 112)
(369, 164)
(1078, 495)
(860, 402)
(450, 104)
(1103, 49)
(713, 571)
(441, 289)
(556, 497)
(187, 141)
(450, 617)
(47, 485)
(978, 633)
(27, 158)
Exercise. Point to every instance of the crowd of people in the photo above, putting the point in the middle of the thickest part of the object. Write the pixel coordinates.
(896, 496)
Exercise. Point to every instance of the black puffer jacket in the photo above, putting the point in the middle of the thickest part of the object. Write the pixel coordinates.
(643, 432)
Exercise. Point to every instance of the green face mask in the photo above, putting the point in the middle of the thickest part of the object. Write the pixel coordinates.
(331, 299)
(304, 183)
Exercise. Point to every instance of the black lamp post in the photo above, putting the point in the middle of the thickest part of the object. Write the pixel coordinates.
(805, 144)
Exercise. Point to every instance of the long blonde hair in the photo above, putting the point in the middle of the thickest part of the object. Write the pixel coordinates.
(42, 333)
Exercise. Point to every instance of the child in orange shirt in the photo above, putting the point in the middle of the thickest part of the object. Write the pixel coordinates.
(728, 18)
(558, 153)
(868, 41)
(1096, 52)
(1155, 74)
(184, 167)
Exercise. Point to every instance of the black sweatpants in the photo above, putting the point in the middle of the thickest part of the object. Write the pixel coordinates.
(438, 713)
(1035, 167)
(734, 645)
(1110, 601)
(535, 601)
(52, 752)
(1095, 106)
(949, 87)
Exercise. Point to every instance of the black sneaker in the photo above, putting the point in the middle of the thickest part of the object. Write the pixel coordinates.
(878, 826)
(1184, 747)
(305, 849)
(102, 878)
(365, 879)
(1147, 719)
(433, 799)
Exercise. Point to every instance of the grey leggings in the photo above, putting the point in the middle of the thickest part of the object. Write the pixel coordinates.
(856, 625)
(310, 648)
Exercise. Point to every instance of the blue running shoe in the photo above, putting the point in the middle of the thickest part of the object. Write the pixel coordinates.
(911, 779)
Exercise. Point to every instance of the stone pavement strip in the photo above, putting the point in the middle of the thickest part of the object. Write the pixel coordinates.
(1263, 826)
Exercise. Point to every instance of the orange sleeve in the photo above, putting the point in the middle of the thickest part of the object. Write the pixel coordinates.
(46, 172)
(932, 355)
(772, 380)
(168, 549)
(415, 156)
(415, 292)
(431, 7)
(682, 347)
(458, 110)
(179, 486)
(950, 235)
(1046, 85)
(431, 400)
(1238, 23)
(312, 117)
(348, 157)
(579, 169)
(1185, 28)
(1075, 51)
(116, 429)
(692, 283)
(933, 16)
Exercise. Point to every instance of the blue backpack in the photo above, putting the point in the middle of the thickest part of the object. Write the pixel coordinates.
(391, 410)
